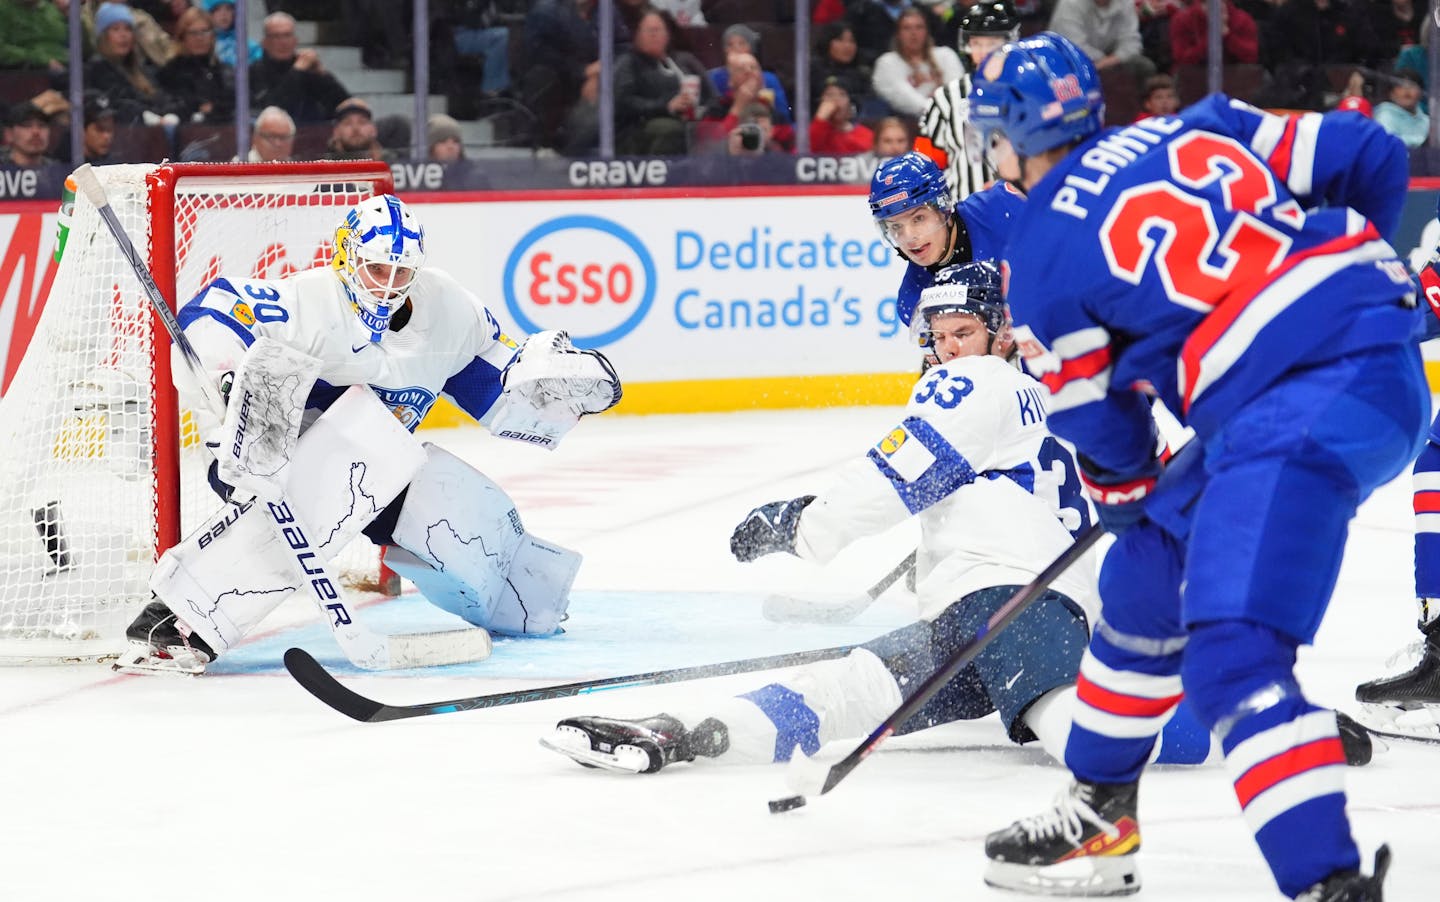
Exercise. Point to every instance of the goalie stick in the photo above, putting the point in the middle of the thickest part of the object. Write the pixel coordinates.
(364, 648)
(787, 609)
(808, 782)
(319, 682)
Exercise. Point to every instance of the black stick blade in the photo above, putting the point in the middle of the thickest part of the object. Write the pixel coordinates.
(317, 681)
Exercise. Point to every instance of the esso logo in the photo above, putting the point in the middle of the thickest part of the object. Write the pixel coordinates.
(586, 275)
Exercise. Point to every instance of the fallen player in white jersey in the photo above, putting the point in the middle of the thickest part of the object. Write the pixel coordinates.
(326, 374)
(998, 499)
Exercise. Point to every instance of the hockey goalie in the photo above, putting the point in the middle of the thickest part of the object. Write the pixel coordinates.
(325, 375)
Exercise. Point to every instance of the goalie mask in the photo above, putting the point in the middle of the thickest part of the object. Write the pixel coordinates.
(379, 249)
(971, 289)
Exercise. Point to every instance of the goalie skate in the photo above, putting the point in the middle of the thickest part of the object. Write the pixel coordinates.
(161, 643)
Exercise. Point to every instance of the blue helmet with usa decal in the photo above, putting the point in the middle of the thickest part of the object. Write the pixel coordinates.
(379, 249)
(905, 182)
(1039, 92)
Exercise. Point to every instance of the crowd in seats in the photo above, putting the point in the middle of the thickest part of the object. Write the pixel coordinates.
(163, 71)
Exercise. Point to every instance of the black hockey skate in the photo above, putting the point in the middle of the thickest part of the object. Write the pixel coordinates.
(1351, 886)
(1083, 846)
(1355, 739)
(636, 746)
(161, 642)
(1407, 705)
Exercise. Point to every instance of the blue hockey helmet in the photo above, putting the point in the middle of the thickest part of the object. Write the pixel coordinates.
(1039, 92)
(905, 182)
(970, 288)
(379, 249)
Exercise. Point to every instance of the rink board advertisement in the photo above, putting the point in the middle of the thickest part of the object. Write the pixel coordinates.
(746, 298)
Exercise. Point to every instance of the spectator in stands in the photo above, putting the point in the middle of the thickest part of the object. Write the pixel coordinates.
(836, 56)
(686, 13)
(443, 135)
(222, 17)
(1417, 56)
(1401, 115)
(354, 136)
(119, 71)
(273, 138)
(202, 86)
(1190, 34)
(1108, 31)
(894, 137)
(757, 134)
(99, 129)
(381, 29)
(562, 44)
(293, 79)
(1159, 97)
(33, 35)
(27, 137)
(744, 84)
(1304, 37)
(166, 13)
(907, 75)
(151, 39)
(742, 39)
(651, 103)
(395, 134)
(875, 22)
(1396, 24)
(834, 129)
(476, 30)
(1156, 18)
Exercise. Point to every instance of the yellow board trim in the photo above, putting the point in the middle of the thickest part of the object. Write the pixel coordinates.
(765, 393)
(722, 395)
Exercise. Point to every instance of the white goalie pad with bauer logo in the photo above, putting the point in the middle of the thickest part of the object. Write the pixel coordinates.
(226, 576)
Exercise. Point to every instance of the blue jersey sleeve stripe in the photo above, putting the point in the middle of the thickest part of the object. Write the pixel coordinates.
(194, 312)
(474, 388)
(949, 471)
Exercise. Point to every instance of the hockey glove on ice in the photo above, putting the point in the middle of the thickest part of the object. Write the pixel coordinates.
(768, 528)
(1119, 497)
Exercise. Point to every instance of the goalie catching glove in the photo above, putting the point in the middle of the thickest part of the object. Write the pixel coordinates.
(548, 386)
(768, 529)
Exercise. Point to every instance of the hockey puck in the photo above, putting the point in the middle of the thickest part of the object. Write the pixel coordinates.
(789, 803)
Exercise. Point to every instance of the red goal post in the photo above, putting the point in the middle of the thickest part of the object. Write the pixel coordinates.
(101, 471)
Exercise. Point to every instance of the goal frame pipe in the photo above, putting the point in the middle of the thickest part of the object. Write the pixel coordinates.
(161, 185)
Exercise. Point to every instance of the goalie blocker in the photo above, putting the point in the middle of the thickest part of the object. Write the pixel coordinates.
(467, 548)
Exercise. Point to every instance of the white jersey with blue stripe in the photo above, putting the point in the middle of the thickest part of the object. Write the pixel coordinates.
(450, 345)
(998, 497)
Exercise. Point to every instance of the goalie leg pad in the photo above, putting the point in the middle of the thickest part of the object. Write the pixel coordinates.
(226, 576)
(464, 546)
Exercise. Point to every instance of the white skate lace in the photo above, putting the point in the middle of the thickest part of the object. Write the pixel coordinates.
(1406, 657)
(1067, 819)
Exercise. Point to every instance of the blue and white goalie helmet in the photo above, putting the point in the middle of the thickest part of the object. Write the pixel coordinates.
(974, 289)
(379, 249)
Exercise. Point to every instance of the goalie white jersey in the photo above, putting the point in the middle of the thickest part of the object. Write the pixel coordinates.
(448, 344)
(998, 497)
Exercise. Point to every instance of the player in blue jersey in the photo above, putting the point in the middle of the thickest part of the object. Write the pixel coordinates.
(916, 214)
(1231, 263)
(1408, 704)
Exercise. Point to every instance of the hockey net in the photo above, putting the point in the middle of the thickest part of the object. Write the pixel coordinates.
(100, 470)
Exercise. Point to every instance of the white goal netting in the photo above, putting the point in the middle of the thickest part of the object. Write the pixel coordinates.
(89, 491)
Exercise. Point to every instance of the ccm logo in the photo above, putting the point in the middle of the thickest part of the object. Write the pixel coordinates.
(1119, 494)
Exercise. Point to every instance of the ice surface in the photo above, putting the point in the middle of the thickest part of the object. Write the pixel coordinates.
(239, 786)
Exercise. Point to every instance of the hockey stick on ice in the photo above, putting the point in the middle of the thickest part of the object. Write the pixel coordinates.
(786, 609)
(367, 649)
(962, 656)
(319, 682)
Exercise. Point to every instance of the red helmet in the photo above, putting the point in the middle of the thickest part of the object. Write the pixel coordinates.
(1356, 104)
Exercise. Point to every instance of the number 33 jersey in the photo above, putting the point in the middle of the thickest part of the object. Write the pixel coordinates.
(1200, 257)
(998, 497)
(449, 344)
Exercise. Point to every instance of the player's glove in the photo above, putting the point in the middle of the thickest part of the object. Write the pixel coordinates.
(768, 528)
(1119, 497)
